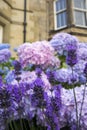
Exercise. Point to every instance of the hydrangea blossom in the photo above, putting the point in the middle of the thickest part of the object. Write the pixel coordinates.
(65, 76)
(37, 53)
(82, 51)
(4, 46)
(5, 54)
(82, 45)
(28, 77)
(10, 77)
(79, 67)
(61, 40)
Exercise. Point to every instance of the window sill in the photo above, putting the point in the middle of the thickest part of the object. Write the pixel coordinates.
(82, 27)
(60, 28)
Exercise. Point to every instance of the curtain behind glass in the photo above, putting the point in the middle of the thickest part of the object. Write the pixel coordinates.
(60, 4)
(80, 4)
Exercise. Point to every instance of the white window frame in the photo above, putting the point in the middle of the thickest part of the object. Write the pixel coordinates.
(55, 16)
(1, 33)
(80, 10)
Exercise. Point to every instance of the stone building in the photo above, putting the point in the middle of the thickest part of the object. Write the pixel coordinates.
(23, 21)
(31, 20)
(68, 16)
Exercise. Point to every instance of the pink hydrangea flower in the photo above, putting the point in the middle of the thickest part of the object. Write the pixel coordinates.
(37, 53)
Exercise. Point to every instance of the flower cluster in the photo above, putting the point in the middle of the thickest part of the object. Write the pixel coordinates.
(73, 74)
(31, 95)
(4, 55)
(47, 92)
(82, 53)
(11, 102)
(5, 104)
(4, 46)
(38, 53)
(61, 40)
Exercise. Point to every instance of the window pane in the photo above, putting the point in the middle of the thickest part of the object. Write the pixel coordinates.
(80, 18)
(63, 3)
(60, 4)
(1, 34)
(61, 19)
(80, 4)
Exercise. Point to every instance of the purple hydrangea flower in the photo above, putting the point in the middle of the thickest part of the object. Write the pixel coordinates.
(73, 78)
(10, 77)
(61, 40)
(4, 46)
(82, 51)
(82, 79)
(79, 67)
(62, 75)
(5, 54)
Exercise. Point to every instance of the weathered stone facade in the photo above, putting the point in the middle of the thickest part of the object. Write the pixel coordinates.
(5, 20)
(39, 21)
(12, 20)
(80, 32)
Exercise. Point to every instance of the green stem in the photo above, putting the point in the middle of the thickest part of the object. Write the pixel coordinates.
(76, 108)
(82, 103)
(11, 126)
(77, 118)
(24, 125)
(13, 121)
(20, 119)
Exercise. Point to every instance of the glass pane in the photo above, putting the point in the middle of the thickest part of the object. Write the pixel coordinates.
(60, 4)
(63, 4)
(59, 22)
(61, 19)
(1, 34)
(64, 16)
(80, 18)
(80, 4)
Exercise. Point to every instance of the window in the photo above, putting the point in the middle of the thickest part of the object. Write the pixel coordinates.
(1, 34)
(80, 12)
(60, 14)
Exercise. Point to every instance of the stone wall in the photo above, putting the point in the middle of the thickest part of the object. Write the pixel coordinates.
(5, 19)
(12, 18)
